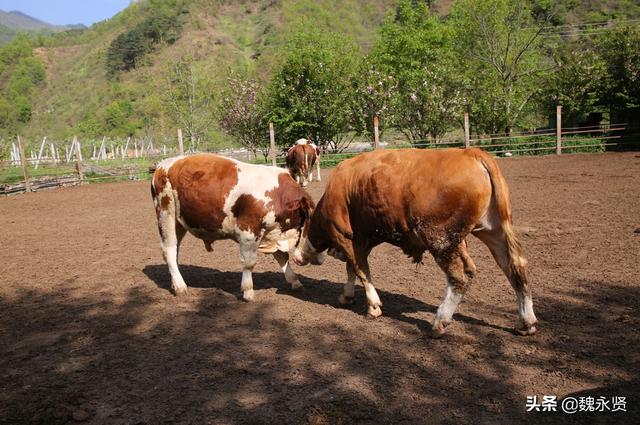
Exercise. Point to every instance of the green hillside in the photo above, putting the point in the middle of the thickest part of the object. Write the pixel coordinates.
(11, 23)
(112, 79)
(80, 96)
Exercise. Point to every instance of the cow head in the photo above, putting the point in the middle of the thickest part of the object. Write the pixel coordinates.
(306, 252)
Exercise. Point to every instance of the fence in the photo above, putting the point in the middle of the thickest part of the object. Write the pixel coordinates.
(131, 159)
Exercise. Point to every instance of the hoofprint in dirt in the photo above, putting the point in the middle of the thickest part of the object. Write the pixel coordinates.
(90, 332)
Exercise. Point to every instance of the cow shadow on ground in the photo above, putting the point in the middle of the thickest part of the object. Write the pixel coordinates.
(396, 306)
(133, 357)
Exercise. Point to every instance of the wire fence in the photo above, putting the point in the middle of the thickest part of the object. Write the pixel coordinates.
(58, 165)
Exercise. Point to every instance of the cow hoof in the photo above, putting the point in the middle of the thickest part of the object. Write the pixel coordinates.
(247, 296)
(524, 329)
(296, 285)
(179, 291)
(374, 312)
(439, 329)
(345, 300)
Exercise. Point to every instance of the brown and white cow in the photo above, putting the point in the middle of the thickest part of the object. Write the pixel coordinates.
(420, 201)
(214, 197)
(300, 160)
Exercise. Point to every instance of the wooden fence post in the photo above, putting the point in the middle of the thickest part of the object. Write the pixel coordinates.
(15, 153)
(558, 130)
(376, 133)
(41, 151)
(52, 149)
(126, 146)
(25, 166)
(78, 159)
(272, 147)
(467, 134)
(180, 142)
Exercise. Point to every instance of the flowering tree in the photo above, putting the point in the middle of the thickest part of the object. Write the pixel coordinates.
(311, 93)
(242, 116)
(415, 49)
(373, 94)
(430, 103)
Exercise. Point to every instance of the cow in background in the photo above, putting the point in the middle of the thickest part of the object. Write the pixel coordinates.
(213, 198)
(300, 160)
(419, 200)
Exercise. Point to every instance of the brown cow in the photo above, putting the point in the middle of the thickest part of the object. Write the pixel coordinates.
(420, 201)
(300, 160)
(214, 198)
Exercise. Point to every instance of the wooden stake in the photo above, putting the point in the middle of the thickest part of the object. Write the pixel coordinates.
(558, 130)
(272, 147)
(78, 159)
(376, 133)
(25, 167)
(126, 146)
(180, 142)
(53, 153)
(41, 151)
(467, 135)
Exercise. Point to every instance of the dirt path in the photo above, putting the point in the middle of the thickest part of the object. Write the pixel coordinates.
(89, 331)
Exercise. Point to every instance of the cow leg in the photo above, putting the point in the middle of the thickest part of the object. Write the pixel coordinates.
(348, 292)
(171, 234)
(514, 267)
(469, 266)
(283, 260)
(318, 169)
(457, 284)
(248, 257)
(361, 270)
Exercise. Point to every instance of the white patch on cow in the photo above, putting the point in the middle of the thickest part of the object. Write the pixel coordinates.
(449, 306)
(246, 285)
(289, 274)
(166, 164)
(526, 308)
(487, 222)
(253, 180)
(269, 220)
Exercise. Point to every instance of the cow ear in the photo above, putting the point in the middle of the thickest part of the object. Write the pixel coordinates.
(306, 204)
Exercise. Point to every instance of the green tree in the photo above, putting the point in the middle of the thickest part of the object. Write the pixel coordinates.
(189, 100)
(373, 96)
(415, 49)
(311, 93)
(620, 51)
(501, 50)
(21, 73)
(579, 80)
(162, 26)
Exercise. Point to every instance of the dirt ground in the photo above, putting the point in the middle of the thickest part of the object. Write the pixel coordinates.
(90, 332)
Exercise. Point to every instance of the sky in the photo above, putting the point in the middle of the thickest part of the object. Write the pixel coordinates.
(63, 12)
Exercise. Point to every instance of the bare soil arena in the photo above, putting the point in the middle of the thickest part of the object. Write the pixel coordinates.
(90, 332)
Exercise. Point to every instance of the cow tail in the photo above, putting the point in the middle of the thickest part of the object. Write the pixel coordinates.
(502, 200)
(306, 164)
